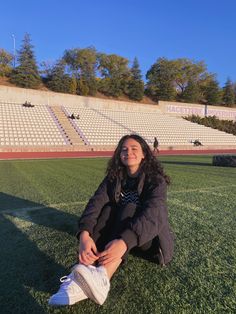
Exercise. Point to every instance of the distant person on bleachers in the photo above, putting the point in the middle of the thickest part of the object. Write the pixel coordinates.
(155, 145)
(197, 143)
(72, 116)
(78, 116)
(27, 104)
(128, 210)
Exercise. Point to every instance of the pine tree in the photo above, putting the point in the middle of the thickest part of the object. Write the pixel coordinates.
(228, 93)
(26, 73)
(191, 93)
(212, 93)
(135, 88)
(58, 81)
(234, 85)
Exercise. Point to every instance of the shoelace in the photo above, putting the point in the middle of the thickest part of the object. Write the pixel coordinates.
(65, 280)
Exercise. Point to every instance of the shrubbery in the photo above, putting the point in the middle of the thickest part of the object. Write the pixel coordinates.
(227, 126)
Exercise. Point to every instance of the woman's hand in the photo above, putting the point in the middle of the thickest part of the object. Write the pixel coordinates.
(114, 250)
(87, 254)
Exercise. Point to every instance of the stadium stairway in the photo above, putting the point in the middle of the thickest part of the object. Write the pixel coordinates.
(72, 134)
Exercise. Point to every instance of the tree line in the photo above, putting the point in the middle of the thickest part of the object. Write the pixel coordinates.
(84, 71)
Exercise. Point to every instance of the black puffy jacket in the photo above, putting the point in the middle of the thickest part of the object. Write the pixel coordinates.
(151, 221)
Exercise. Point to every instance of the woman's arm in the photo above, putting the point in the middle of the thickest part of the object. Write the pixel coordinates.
(87, 254)
(113, 252)
(93, 209)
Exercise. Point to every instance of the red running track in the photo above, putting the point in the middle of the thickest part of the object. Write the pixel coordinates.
(94, 154)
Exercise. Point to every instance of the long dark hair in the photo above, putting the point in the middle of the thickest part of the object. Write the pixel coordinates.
(150, 165)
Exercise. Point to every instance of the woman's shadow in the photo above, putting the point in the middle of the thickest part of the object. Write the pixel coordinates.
(25, 268)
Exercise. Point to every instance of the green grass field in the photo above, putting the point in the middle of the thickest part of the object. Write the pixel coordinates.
(41, 201)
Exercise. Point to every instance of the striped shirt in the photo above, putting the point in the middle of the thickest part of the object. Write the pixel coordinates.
(129, 191)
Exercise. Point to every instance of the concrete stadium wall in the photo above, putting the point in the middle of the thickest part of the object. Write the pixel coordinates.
(185, 109)
(36, 97)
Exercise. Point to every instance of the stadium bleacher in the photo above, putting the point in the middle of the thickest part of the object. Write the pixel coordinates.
(48, 126)
(106, 126)
(20, 125)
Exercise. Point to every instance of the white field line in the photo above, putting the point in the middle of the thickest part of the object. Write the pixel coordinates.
(191, 206)
(186, 205)
(23, 210)
(26, 209)
(204, 190)
(21, 218)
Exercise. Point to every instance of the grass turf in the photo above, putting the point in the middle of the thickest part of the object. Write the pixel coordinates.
(40, 202)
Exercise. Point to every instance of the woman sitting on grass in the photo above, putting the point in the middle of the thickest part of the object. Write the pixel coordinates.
(127, 211)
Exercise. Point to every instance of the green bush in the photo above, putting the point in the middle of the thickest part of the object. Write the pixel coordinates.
(228, 126)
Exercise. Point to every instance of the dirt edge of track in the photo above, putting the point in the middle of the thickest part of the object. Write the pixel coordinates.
(95, 154)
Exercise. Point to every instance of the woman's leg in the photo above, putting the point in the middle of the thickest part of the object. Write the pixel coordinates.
(95, 281)
(114, 221)
(103, 230)
(112, 267)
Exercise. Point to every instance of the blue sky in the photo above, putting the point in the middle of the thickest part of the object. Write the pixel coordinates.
(146, 29)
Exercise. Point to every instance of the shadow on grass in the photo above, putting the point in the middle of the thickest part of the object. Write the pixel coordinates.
(187, 163)
(24, 268)
(9, 202)
(39, 214)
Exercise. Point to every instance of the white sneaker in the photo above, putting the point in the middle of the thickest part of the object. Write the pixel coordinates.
(94, 282)
(69, 292)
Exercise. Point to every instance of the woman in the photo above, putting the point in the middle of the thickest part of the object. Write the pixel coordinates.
(127, 211)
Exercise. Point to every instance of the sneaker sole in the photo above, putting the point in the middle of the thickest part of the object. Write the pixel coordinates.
(65, 303)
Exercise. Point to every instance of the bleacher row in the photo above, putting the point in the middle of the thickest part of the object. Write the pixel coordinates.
(28, 126)
(39, 126)
(106, 126)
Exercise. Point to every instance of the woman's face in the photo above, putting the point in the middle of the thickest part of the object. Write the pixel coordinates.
(131, 155)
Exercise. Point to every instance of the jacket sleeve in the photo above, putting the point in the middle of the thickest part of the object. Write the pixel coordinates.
(93, 209)
(150, 219)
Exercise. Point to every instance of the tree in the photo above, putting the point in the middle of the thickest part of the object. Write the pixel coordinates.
(26, 73)
(83, 64)
(228, 93)
(135, 89)
(187, 70)
(160, 80)
(234, 90)
(212, 92)
(168, 79)
(74, 85)
(114, 74)
(191, 93)
(58, 81)
(5, 62)
(46, 68)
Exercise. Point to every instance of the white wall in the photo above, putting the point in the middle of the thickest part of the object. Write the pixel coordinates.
(185, 109)
(20, 95)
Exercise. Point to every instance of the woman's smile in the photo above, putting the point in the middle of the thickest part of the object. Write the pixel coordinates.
(131, 155)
